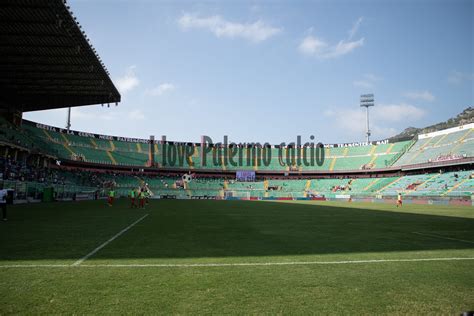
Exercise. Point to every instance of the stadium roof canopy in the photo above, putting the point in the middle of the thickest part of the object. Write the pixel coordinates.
(46, 60)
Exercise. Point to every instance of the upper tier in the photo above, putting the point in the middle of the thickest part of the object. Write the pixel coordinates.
(111, 150)
(449, 144)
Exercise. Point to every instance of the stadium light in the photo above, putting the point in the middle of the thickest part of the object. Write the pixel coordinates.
(68, 123)
(366, 101)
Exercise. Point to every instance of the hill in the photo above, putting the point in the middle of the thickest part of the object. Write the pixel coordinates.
(465, 117)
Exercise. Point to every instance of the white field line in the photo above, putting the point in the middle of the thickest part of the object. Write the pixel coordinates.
(442, 237)
(242, 264)
(90, 254)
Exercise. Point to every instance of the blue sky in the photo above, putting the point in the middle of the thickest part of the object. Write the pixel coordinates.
(268, 71)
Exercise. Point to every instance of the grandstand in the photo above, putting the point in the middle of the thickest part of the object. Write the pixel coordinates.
(454, 184)
(378, 169)
(95, 149)
(446, 145)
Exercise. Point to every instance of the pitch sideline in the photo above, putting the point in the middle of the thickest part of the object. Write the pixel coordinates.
(241, 264)
(443, 237)
(93, 252)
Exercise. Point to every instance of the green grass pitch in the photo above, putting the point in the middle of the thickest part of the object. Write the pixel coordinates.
(236, 257)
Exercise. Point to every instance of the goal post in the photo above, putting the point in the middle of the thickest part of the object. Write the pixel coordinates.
(236, 195)
(83, 195)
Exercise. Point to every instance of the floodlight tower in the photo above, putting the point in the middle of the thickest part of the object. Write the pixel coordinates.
(366, 101)
(68, 122)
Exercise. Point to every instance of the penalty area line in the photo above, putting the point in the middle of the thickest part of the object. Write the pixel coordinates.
(93, 252)
(443, 237)
(237, 264)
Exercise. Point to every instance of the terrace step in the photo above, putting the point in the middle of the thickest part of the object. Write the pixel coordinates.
(459, 142)
(455, 186)
(111, 157)
(393, 182)
(333, 162)
(389, 149)
(428, 180)
(371, 184)
(93, 143)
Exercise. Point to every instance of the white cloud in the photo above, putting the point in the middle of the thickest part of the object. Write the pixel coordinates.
(457, 77)
(344, 47)
(367, 82)
(420, 95)
(349, 120)
(127, 82)
(398, 112)
(161, 89)
(353, 120)
(314, 46)
(255, 32)
(352, 123)
(355, 28)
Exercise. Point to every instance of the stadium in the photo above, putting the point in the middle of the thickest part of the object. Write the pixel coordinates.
(102, 224)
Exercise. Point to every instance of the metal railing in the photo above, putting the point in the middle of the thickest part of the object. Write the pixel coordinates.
(26, 190)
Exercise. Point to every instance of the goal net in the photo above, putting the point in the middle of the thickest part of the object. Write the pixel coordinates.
(240, 195)
(82, 195)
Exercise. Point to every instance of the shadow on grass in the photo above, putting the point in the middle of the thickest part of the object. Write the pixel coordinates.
(197, 229)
